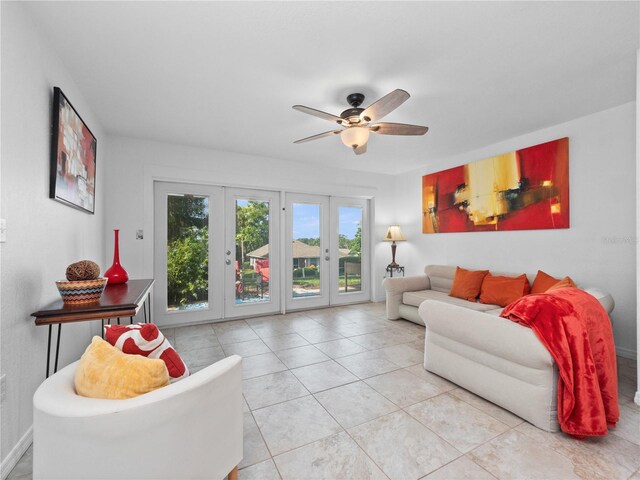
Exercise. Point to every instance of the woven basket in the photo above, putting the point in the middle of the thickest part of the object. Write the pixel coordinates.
(81, 291)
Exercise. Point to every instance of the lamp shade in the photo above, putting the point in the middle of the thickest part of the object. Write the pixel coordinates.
(394, 234)
(354, 137)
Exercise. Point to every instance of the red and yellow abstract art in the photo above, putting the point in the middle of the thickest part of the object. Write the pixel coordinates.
(523, 190)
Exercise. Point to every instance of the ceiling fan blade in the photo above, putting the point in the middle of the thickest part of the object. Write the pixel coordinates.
(398, 129)
(385, 105)
(320, 114)
(316, 137)
(360, 150)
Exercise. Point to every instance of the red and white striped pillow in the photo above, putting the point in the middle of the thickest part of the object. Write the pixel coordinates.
(145, 339)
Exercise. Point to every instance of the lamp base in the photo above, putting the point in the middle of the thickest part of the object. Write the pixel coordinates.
(392, 265)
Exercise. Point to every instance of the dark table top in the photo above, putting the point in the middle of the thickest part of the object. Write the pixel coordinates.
(116, 300)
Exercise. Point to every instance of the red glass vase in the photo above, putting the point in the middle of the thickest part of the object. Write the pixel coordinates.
(115, 273)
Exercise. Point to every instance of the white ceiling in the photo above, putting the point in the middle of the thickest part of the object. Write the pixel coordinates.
(225, 75)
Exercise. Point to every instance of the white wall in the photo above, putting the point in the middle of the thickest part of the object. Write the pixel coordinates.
(135, 164)
(43, 236)
(599, 249)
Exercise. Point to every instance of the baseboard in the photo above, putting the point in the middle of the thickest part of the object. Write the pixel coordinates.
(16, 454)
(626, 353)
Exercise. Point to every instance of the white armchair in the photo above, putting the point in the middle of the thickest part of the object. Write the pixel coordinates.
(191, 429)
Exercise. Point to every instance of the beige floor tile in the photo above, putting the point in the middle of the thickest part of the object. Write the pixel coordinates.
(487, 407)
(272, 329)
(301, 356)
(354, 329)
(193, 331)
(354, 404)
(608, 457)
(442, 383)
(460, 424)
(367, 364)
(263, 364)
(195, 342)
(403, 388)
(340, 348)
(629, 425)
(201, 357)
(295, 423)
(382, 339)
(336, 457)
(514, 455)
(301, 323)
(239, 333)
(246, 349)
(253, 446)
(323, 376)
(635, 476)
(403, 355)
(282, 342)
(260, 471)
(402, 446)
(318, 335)
(271, 389)
(460, 469)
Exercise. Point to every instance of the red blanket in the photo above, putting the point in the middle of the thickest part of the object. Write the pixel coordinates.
(576, 330)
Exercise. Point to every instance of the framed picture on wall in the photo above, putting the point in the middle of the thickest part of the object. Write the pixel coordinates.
(72, 178)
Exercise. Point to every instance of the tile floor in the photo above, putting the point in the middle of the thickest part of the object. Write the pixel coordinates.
(340, 393)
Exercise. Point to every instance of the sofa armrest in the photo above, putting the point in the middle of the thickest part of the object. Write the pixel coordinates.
(395, 287)
(603, 297)
(493, 335)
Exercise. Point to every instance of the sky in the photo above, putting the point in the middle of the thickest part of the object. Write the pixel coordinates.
(306, 220)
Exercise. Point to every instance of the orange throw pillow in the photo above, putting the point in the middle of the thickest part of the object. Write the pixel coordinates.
(467, 283)
(565, 282)
(543, 282)
(497, 290)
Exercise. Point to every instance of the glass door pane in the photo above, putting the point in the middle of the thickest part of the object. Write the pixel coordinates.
(187, 241)
(307, 251)
(252, 252)
(306, 268)
(350, 282)
(187, 252)
(349, 249)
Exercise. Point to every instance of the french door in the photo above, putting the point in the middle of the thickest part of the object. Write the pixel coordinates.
(214, 252)
(326, 251)
(252, 252)
(188, 252)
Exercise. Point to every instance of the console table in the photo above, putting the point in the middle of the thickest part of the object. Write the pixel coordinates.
(397, 269)
(117, 301)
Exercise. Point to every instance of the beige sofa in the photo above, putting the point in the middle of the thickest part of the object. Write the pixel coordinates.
(469, 344)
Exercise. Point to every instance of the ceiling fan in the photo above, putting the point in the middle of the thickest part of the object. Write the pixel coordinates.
(358, 122)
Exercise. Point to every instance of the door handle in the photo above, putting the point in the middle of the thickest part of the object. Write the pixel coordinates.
(227, 261)
(327, 257)
(228, 252)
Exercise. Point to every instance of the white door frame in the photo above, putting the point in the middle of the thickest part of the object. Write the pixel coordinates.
(232, 309)
(215, 310)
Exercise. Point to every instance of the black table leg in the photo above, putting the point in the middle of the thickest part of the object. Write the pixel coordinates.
(150, 317)
(55, 367)
(130, 320)
(144, 310)
(48, 350)
(102, 330)
(118, 320)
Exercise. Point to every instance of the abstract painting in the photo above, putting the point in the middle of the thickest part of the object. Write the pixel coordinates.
(73, 157)
(526, 189)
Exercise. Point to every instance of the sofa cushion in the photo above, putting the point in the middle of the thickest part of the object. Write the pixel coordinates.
(105, 372)
(416, 298)
(467, 283)
(147, 340)
(502, 291)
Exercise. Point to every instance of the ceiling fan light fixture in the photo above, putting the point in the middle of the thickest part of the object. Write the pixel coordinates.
(354, 137)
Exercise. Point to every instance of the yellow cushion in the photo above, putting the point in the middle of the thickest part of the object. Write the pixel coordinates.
(106, 372)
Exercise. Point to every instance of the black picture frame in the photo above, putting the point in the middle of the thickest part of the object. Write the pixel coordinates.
(72, 178)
